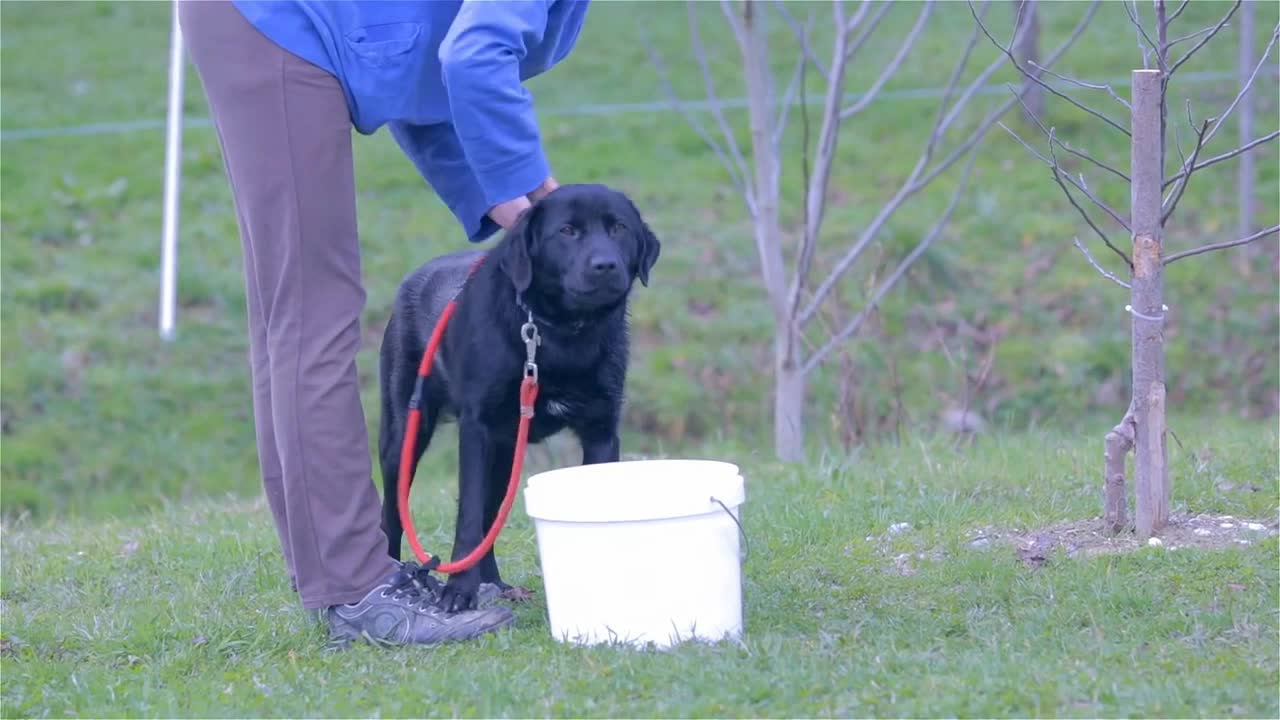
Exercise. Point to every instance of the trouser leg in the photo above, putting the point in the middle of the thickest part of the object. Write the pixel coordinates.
(260, 372)
(285, 135)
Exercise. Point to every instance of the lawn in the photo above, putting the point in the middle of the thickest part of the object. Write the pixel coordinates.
(186, 613)
(141, 576)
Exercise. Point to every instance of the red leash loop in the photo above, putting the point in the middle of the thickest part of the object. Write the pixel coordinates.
(528, 394)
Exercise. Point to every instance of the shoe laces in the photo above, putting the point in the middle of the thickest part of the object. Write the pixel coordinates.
(414, 587)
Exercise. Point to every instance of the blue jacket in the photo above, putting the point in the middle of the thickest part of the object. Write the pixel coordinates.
(446, 76)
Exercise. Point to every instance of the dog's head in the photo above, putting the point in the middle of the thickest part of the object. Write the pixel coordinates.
(579, 249)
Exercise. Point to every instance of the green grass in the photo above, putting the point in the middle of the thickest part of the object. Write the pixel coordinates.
(139, 454)
(101, 417)
(187, 613)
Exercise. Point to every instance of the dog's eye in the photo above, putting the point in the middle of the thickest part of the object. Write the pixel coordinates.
(568, 230)
(618, 228)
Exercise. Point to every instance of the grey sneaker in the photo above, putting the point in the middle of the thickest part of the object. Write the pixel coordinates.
(401, 610)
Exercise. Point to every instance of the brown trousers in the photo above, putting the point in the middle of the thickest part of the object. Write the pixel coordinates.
(285, 134)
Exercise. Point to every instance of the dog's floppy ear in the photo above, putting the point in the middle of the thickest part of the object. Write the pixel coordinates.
(648, 250)
(514, 259)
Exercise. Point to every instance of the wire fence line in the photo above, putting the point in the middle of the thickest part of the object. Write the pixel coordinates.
(596, 109)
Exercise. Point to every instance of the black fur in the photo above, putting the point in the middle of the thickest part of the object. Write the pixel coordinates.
(571, 260)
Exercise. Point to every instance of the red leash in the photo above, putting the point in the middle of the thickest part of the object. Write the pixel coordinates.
(528, 393)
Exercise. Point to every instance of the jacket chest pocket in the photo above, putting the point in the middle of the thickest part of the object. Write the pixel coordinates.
(388, 69)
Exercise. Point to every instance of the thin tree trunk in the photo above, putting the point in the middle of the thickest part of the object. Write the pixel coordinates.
(789, 381)
(1244, 116)
(1027, 51)
(788, 399)
(759, 81)
(1151, 488)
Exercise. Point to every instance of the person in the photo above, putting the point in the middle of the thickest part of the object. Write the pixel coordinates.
(286, 83)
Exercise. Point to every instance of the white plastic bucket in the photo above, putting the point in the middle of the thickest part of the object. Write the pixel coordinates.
(640, 552)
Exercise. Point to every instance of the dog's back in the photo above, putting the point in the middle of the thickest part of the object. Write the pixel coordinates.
(418, 305)
(424, 293)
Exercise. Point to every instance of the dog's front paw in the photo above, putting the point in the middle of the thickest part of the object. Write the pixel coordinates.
(461, 592)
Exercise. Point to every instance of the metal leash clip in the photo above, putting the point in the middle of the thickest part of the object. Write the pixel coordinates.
(529, 333)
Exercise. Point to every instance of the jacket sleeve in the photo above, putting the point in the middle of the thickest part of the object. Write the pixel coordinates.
(492, 111)
(438, 155)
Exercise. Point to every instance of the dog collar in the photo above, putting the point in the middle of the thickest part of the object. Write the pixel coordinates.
(572, 328)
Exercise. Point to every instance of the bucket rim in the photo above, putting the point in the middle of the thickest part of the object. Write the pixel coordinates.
(721, 467)
(581, 498)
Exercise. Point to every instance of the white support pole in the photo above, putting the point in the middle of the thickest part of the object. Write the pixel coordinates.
(172, 182)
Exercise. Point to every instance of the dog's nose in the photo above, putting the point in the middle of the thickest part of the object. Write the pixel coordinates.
(601, 264)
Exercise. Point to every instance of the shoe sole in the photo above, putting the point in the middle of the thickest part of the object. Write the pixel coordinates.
(342, 633)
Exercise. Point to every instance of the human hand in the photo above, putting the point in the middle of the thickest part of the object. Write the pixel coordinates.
(544, 189)
(506, 214)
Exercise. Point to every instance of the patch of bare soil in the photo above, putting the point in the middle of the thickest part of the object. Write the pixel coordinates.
(1087, 538)
(898, 562)
(903, 551)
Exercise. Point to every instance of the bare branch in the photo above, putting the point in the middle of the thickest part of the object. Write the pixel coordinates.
(1007, 51)
(1244, 89)
(817, 357)
(1086, 156)
(1080, 185)
(1222, 245)
(1018, 29)
(802, 34)
(737, 172)
(1178, 12)
(1142, 47)
(1096, 266)
(807, 242)
(1090, 86)
(1025, 144)
(918, 178)
(826, 149)
(1224, 156)
(1162, 52)
(797, 77)
(1057, 177)
(788, 99)
(861, 40)
(1078, 153)
(1175, 195)
(1132, 12)
(1191, 36)
(904, 191)
(1083, 187)
(999, 112)
(700, 53)
(907, 44)
(1177, 143)
(1207, 132)
(1195, 48)
(735, 23)
(852, 23)
(1177, 138)
(956, 72)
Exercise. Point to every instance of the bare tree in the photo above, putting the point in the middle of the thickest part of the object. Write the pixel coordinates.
(1028, 53)
(1153, 200)
(1244, 120)
(796, 291)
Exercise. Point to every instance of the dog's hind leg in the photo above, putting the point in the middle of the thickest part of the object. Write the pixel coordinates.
(390, 443)
(390, 421)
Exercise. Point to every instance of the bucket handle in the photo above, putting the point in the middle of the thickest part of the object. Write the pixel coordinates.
(746, 546)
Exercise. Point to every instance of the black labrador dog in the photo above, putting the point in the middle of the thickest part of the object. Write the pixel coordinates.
(569, 263)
